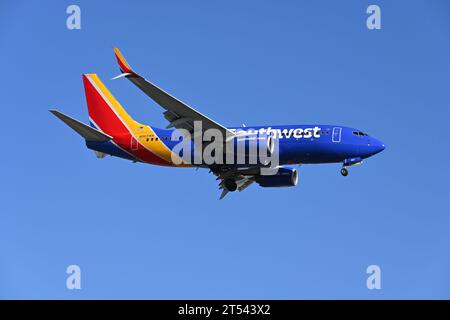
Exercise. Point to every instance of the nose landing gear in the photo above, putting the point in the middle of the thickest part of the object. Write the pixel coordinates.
(344, 171)
(349, 162)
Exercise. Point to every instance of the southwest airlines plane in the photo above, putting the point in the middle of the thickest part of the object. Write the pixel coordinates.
(113, 132)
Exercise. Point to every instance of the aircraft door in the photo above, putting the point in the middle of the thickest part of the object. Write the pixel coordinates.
(133, 144)
(336, 136)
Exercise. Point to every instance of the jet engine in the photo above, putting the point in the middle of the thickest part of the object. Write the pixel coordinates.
(251, 148)
(285, 177)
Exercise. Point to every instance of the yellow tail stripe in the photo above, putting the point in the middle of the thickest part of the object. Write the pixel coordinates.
(139, 130)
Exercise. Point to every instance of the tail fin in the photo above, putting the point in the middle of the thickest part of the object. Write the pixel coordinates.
(105, 112)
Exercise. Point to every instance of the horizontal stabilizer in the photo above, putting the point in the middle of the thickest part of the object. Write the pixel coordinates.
(87, 132)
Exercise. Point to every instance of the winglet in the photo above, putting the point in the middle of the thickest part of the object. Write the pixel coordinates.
(123, 64)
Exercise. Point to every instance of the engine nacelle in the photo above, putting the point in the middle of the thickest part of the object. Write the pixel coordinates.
(269, 144)
(252, 149)
(285, 177)
(254, 143)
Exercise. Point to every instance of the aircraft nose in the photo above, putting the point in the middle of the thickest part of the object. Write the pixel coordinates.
(378, 146)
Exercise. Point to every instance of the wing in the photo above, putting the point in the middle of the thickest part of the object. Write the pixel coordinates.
(179, 114)
(182, 116)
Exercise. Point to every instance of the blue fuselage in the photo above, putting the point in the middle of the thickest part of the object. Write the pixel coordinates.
(311, 143)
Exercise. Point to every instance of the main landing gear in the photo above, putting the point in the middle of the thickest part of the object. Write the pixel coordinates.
(344, 171)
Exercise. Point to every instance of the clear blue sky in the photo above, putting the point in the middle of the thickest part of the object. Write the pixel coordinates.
(141, 231)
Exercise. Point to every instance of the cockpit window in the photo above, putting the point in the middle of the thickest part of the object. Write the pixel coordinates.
(359, 133)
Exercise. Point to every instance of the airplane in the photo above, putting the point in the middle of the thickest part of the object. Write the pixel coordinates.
(112, 131)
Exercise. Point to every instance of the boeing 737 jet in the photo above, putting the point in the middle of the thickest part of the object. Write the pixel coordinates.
(113, 132)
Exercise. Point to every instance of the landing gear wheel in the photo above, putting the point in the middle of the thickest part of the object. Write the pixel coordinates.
(230, 184)
(344, 172)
